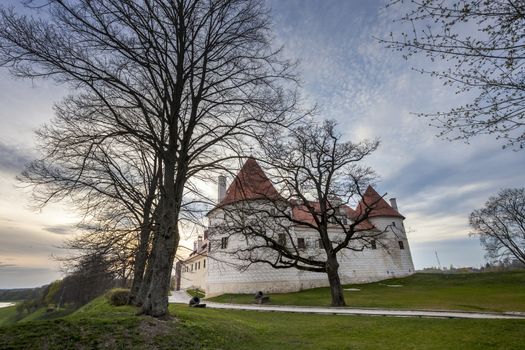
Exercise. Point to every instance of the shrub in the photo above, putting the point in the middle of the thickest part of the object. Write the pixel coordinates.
(118, 297)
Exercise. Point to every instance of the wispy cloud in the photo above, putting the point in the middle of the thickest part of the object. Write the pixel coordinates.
(60, 229)
(13, 158)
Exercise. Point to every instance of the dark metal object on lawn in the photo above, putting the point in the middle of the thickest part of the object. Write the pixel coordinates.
(260, 298)
(196, 302)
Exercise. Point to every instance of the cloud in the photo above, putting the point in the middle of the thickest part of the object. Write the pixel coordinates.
(4, 266)
(13, 158)
(26, 277)
(60, 229)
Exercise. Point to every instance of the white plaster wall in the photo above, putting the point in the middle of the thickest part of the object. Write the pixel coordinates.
(368, 265)
(196, 278)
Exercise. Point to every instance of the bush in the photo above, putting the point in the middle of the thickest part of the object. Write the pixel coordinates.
(118, 297)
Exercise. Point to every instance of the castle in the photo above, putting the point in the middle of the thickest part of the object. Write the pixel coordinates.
(212, 268)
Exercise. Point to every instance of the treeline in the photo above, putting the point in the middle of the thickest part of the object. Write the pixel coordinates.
(20, 293)
(90, 278)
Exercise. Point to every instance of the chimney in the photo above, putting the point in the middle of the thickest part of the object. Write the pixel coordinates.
(393, 203)
(222, 188)
(199, 242)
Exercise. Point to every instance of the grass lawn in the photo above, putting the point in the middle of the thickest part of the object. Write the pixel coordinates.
(8, 315)
(497, 291)
(99, 325)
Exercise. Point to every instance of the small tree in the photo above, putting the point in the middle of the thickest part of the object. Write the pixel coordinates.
(318, 175)
(501, 225)
(484, 43)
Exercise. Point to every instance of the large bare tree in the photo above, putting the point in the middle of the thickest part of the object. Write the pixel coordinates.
(479, 48)
(500, 225)
(319, 177)
(110, 178)
(187, 78)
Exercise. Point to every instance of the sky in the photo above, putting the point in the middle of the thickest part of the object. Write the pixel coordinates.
(372, 93)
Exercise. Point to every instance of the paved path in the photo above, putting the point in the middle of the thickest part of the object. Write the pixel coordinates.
(183, 298)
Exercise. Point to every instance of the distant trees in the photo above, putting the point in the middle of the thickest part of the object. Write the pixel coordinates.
(484, 44)
(500, 225)
(318, 175)
(189, 80)
(89, 278)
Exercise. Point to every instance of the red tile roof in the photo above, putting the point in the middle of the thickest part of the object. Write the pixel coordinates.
(301, 213)
(250, 183)
(379, 206)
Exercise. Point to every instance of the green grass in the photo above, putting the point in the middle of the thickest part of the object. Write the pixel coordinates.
(100, 325)
(8, 315)
(498, 291)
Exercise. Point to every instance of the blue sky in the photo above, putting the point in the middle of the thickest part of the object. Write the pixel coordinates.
(369, 90)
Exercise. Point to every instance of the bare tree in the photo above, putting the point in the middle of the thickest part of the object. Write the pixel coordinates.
(500, 225)
(111, 179)
(484, 44)
(308, 222)
(186, 78)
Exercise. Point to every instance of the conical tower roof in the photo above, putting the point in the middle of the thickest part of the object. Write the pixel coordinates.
(379, 206)
(250, 183)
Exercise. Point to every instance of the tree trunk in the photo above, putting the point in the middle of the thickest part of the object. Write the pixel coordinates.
(139, 267)
(164, 247)
(336, 290)
(156, 301)
(136, 297)
(146, 282)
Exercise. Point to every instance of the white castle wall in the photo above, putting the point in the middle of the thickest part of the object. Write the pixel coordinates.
(197, 277)
(224, 276)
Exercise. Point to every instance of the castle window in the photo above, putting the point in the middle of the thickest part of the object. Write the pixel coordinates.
(393, 224)
(272, 212)
(345, 221)
(320, 243)
(301, 244)
(224, 242)
(373, 244)
(282, 239)
(401, 245)
(191, 267)
(204, 263)
(199, 266)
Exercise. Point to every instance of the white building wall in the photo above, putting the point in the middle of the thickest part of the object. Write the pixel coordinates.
(196, 278)
(224, 275)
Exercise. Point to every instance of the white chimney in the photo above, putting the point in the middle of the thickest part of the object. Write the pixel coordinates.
(393, 203)
(199, 242)
(222, 188)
